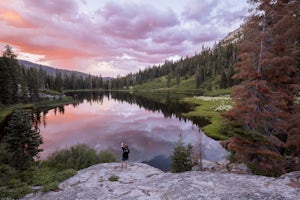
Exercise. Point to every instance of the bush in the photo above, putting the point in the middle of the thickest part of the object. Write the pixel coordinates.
(63, 175)
(78, 157)
(47, 175)
(51, 186)
(113, 178)
(106, 157)
(15, 189)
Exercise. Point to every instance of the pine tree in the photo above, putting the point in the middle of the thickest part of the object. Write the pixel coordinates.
(22, 140)
(223, 81)
(264, 98)
(11, 73)
(181, 158)
(6, 92)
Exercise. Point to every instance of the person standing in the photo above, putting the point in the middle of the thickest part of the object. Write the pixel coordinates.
(125, 154)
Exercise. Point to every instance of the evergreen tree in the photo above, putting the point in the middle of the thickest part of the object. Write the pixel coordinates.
(181, 158)
(22, 140)
(11, 70)
(264, 98)
(6, 82)
(223, 81)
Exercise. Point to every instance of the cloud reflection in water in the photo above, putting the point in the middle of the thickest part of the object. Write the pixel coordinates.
(105, 125)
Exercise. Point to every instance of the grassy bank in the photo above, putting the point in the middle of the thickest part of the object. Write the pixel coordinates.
(53, 103)
(210, 108)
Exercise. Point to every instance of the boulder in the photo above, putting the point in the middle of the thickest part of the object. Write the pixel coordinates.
(141, 181)
(239, 168)
(205, 165)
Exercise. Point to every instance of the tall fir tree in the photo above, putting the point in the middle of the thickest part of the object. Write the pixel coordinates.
(264, 98)
(6, 83)
(22, 140)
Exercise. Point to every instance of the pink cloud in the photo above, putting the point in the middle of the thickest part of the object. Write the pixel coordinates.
(145, 32)
(63, 8)
(200, 11)
(132, 21)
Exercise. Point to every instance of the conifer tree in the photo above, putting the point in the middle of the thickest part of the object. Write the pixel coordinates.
(11, 76)
(181, 158)
(22, 140)
(6, 82)
(264, 98)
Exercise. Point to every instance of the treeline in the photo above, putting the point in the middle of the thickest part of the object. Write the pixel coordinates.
(21, 84)
(211, 63)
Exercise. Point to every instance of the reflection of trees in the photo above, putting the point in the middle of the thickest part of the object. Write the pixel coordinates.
(38, 116)
(165, 104)
(91, 97)
(170, 107)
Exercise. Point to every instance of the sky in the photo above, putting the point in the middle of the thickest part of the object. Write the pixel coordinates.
(114, 37)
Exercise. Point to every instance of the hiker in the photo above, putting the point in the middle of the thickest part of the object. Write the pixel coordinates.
(125, 154)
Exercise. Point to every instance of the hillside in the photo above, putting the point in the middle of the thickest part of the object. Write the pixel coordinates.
(210, 69)
(141, 181)
(52, 70)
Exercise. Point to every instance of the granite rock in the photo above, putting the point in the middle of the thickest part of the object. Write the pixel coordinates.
(141, 181)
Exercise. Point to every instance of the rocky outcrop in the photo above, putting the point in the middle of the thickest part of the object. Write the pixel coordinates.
(141, 181)
(223, 166)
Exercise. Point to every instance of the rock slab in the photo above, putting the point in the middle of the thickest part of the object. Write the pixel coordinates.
(141, 181)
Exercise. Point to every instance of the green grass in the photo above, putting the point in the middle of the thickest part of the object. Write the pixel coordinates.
(7, 110)
(211, 110)
(219, 92)
(53, 103)
(161, 85)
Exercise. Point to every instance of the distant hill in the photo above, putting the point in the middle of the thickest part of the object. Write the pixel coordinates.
(52, 70)
(233, 36)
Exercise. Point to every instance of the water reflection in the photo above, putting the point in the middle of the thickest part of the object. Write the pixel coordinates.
(104, 121)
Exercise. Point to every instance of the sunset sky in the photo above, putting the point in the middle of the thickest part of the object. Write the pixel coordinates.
(114, 37)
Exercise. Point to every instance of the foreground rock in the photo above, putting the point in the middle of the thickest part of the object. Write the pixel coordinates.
(141, 181)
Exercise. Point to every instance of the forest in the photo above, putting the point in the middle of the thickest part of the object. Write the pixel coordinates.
(21, 84)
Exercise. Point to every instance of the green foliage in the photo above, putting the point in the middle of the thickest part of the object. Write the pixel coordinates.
(15, 184)
(231, 157)
(263, 171)
(113, 178)
(181, 157)
(78, 157)
(15, 190)
(51, 186)
(106, 157)
(48, 175)
(22, 140)
(5, 83)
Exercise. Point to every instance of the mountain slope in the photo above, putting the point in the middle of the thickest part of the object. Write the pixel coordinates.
(52, 71)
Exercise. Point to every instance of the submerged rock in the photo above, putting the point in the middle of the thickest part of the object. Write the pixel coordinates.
(141, 181)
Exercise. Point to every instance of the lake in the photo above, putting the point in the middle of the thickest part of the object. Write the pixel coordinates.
(104, 120)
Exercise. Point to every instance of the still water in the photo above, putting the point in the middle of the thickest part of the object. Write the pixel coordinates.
(151, 133)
